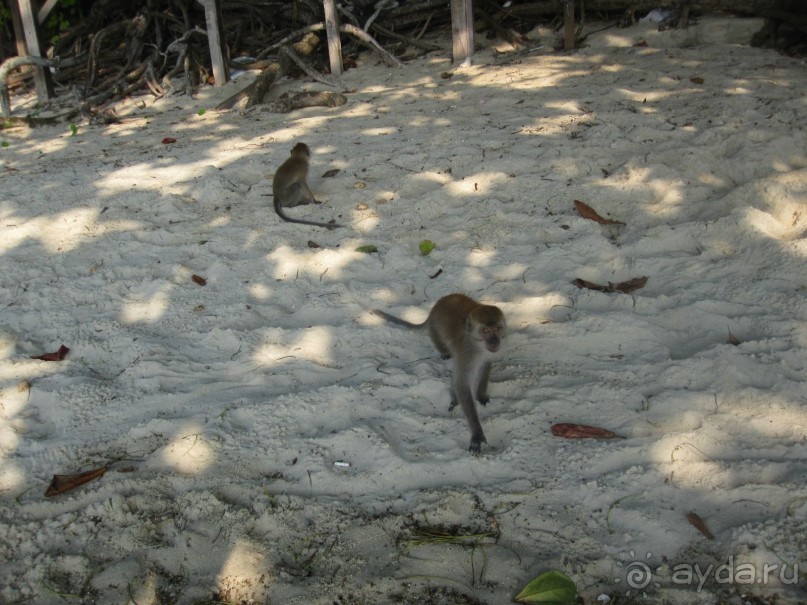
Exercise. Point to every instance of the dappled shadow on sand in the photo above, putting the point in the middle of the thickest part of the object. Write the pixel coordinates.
(282, 440)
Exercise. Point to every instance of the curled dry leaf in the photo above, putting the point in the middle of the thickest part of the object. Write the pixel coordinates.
(626, 287)
(632, 284)
(697, 80)
(64, 483)
(570, 430)
(696, 522)
(330, 173)
(57, 356)
(313, 244)
(197, 279)
(169, 140)
(590, 285)
(588, 212)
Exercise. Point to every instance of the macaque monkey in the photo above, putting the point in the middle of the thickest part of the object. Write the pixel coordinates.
(472, 334)
(290, 188)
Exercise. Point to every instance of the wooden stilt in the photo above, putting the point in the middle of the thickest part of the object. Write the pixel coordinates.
(215, 40)
(334, 42)
(462, 30)
(568, 25)
(30, 30)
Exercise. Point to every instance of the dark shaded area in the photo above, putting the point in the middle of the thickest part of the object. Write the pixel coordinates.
(785, 28)
(110, 49)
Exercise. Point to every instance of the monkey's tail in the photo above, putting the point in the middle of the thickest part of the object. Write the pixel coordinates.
(397, 320)
(288, 219)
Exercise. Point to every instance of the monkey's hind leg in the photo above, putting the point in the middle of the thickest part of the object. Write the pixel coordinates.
(441, 347)
(298, 194)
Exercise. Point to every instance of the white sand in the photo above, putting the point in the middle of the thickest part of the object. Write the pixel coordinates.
(233, 402)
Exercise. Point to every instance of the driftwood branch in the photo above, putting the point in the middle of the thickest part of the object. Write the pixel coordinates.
(345, 28)
(287, 103)
(254, 94)
(5, 70)
(414, 41)
(123, 48)
(310, 71)
(370, 41)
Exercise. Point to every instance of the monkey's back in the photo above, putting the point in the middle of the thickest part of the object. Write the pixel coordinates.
(447, 320)
(288, 187)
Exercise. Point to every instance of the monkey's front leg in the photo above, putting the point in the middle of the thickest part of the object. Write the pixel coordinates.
(311, 195)
(482, 386)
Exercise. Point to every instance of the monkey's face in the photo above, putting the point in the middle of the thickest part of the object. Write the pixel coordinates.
(486, 323)
(492, 335)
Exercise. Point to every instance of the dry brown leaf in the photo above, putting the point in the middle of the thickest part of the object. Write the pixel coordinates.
(582, 283)
(57, 356)
(588, 212)
(570, 430)
(629, 286)
(64, 483)
(696, 522)
(197, 279)
(626, 287)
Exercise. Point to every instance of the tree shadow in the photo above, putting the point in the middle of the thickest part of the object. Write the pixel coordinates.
(244, 399)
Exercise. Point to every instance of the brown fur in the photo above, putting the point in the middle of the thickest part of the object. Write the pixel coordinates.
(290, 186)
(471, 333)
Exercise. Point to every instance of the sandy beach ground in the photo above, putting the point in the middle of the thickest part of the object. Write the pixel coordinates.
(268, 440)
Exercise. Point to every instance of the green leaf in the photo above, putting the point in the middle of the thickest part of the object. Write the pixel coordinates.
(202, 111)
(426, 246)
(73, 130)
(369, 249)
(550, 588)
(5, 144)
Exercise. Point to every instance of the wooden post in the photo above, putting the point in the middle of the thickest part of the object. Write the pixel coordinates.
(45, 10)
(30, 30)
(334, 42)
(19, 34)
(462, 31)
(215, 40)
(568, 25)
